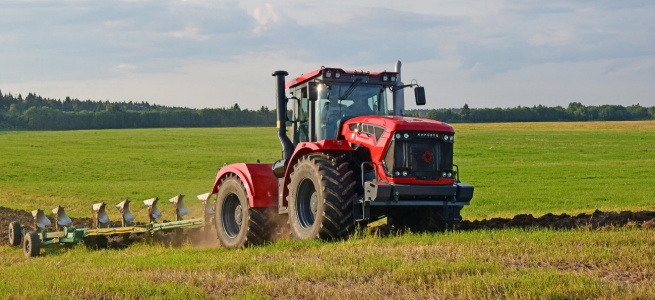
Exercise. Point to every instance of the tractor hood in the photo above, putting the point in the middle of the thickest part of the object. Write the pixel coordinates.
(395, 123)
(420, 148)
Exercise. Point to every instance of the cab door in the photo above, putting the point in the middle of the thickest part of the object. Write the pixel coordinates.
(300, 116)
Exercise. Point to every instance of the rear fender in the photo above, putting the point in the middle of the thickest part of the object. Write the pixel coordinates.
(323, 146)
(258, 179)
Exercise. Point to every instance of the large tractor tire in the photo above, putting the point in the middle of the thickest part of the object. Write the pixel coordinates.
(321, 195)
(237, 224)
(32, 244)
(15, 233)
(427, 219)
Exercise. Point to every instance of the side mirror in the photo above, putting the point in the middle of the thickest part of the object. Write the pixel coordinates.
(312, 91)
(419, 94)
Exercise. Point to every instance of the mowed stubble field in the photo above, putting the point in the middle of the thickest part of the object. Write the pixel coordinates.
(517, 168)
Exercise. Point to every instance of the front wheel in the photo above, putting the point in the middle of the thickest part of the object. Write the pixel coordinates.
(15, 234)
(32, 244)
(237, 224)
(321, 195)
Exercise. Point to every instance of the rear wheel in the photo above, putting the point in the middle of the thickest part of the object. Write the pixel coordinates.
(238, 225)
(32, 244)
(15, 233)
(321, 195)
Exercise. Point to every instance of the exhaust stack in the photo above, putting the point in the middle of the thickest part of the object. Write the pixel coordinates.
(398, 94)
(287, 146)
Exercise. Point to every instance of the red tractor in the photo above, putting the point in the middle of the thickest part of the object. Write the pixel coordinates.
(351, 158)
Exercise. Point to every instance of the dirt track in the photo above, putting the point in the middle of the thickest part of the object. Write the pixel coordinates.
(597, 220)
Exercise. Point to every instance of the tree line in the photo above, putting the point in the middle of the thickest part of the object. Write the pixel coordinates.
(575, 111)
(36, 112)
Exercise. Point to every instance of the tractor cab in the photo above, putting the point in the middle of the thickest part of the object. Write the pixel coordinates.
(322, 100)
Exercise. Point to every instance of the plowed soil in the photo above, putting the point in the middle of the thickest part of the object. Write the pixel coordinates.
(598, 220)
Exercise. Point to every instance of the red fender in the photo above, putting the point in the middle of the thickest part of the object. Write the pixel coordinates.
(310, 147)
(258, 179)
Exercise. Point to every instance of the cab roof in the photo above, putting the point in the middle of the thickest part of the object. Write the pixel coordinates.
(322, 73)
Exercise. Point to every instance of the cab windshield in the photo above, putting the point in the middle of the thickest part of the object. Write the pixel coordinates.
(342, 101)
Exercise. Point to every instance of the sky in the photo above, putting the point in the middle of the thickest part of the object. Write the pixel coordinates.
(212, 54)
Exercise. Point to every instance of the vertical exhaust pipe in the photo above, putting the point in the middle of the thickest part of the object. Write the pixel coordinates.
(287, 146)
(399, 94)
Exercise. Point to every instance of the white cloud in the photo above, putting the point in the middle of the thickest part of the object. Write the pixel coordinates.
(190, 32)
(266, 16)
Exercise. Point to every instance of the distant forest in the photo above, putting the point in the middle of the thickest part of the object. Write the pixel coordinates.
(575, 111)
(37, 113)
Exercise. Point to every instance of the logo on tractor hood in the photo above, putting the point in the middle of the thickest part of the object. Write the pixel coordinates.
(427, 156)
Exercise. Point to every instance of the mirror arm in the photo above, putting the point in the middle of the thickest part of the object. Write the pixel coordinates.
(400, 87)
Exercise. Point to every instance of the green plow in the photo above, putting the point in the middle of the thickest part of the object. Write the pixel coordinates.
(38, 236)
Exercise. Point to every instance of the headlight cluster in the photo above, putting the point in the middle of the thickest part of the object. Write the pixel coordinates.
(386, 77)
(400, 136)
(447, 174)
(400, 173)
(328, 74)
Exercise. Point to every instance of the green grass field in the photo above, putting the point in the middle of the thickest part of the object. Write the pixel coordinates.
(557, 167)
(516, 168)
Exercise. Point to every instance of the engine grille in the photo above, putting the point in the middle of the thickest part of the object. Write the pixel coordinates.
(420, 155)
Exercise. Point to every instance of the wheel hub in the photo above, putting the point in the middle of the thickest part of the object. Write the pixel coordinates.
(232, 215)
(238, 215)
(313, 204)
(306, 203)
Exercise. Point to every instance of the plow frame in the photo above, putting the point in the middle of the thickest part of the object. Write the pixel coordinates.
(34, 238)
